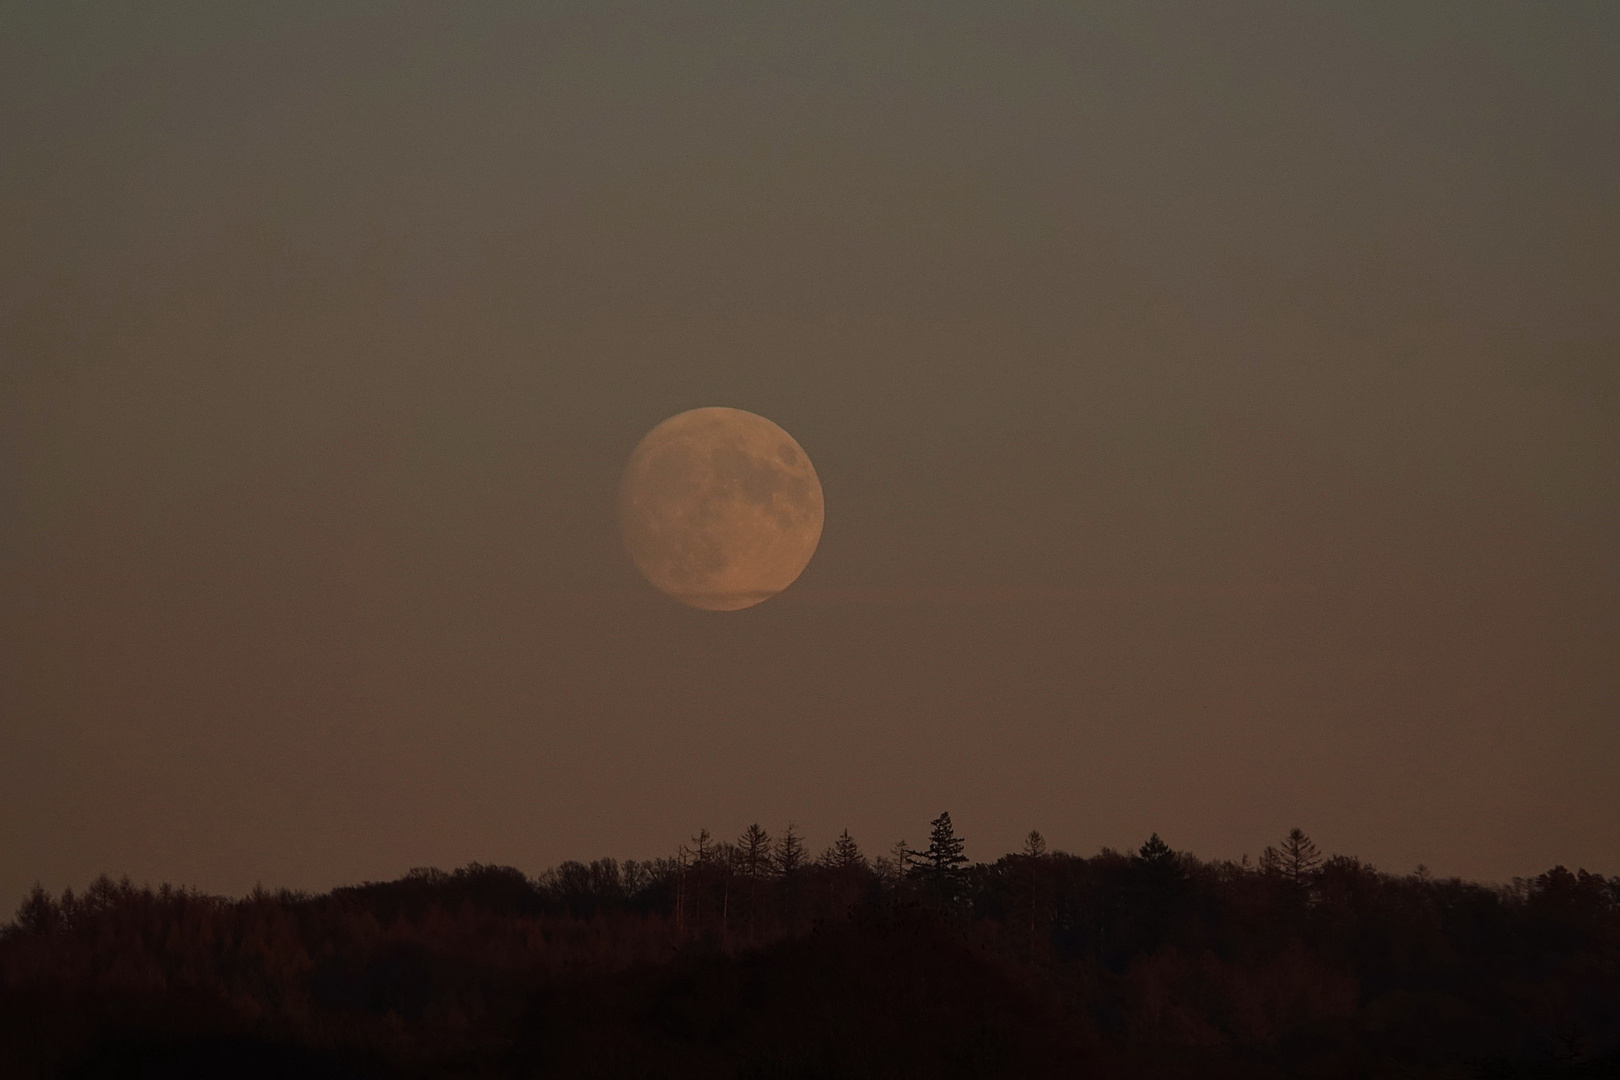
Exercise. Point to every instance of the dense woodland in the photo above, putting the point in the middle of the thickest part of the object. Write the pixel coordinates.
(753, 959)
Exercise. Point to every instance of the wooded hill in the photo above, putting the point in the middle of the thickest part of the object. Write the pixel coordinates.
(750, 959)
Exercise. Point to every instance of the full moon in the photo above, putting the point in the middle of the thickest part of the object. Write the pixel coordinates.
(720, 508)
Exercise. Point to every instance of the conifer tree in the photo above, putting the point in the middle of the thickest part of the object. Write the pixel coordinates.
(1300, 857)
(754, 851)
(790, 856)
(1271, 861)
(1296, 861)
(944, 852)
(846, 854)
(1034, 844)
(942, 860)
(38, 913)
(1156, 852)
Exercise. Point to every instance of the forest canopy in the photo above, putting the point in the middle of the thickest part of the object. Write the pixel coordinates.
(753, 957)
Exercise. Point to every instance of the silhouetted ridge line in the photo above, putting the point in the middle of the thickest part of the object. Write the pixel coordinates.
(753, 958)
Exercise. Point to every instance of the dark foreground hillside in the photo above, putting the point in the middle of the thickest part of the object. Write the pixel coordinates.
(748, 961)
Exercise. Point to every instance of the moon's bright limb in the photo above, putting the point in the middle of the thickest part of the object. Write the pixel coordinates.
(720, 508)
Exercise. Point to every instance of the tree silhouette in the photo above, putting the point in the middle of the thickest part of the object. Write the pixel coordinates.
(1156, 852)
(1128, 957)
(754, 852)
(754, 862)
(1270, 861)
(942, 859)
(790, 857)
(1296, 861)
(846, 854)
(944, 851)
(891, 868)
(39, 914)
(696, 859)
(1034, 850)
(1300, 856)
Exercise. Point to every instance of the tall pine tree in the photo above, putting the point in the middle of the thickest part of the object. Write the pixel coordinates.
(940, 863)
(1300, 856)
(944, 852)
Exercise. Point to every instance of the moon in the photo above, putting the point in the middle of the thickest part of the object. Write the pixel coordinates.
(720, 508)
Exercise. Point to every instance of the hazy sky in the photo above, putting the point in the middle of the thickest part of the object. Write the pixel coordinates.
(1218, 411)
